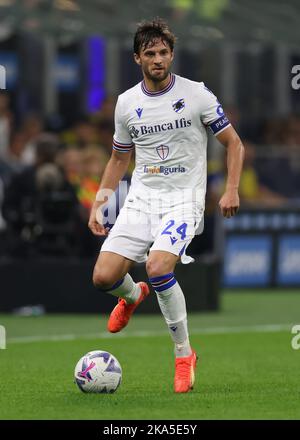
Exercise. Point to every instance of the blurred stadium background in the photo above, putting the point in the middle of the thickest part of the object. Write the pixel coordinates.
(66, 61)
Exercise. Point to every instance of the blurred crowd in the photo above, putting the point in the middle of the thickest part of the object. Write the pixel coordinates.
(271, 172)
(49, 176)
(48, 181)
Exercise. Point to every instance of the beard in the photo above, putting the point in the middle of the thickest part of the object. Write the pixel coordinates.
(158, 77)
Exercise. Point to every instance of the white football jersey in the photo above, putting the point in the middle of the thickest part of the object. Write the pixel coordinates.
(168, 130)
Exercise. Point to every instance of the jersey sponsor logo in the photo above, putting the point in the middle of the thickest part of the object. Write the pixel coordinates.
(139, 112)
(174, 125)
(178, 105)
(154, 169)
(134, 132)
(163, 151)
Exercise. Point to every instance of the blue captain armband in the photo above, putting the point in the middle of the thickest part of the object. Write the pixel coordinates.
(219, 124)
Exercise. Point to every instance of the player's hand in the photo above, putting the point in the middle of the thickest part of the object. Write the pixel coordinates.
(95, 221)
(229, 203)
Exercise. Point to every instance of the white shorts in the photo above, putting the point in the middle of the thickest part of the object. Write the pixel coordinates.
(139, 230)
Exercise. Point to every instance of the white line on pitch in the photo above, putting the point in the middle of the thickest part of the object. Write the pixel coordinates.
(146, 333)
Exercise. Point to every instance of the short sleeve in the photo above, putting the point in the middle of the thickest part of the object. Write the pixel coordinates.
(122, 140)
(213, 115)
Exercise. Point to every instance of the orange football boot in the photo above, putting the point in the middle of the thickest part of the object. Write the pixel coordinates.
(121, 314)
(185, 373)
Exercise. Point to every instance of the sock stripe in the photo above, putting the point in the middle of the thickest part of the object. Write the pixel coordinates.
(161, 278)
(160, 283)
(117, 284)
(166, 286)
(163, 282)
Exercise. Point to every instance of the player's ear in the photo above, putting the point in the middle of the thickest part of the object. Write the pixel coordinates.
(137, 58)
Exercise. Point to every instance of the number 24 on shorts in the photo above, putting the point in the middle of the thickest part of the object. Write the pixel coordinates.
(181, 229)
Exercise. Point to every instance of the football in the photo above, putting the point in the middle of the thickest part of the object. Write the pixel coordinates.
(98, 372)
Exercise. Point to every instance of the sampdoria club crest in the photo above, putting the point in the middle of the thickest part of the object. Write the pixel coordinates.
(162, 151)
(178, 105)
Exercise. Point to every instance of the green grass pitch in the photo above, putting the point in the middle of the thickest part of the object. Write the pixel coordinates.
(247, 368)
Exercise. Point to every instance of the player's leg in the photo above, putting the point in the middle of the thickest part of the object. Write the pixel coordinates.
(111, 275)
(160, 269)
(172, 237)
(127, 242)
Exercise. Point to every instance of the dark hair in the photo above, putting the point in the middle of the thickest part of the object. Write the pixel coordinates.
(150, 31)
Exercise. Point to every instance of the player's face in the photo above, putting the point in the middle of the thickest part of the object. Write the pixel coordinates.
(155, 61)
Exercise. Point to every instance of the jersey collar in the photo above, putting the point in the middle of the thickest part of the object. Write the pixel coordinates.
(160, 92)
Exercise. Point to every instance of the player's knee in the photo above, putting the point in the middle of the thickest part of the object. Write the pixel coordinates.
(156, 268)
(103, 279)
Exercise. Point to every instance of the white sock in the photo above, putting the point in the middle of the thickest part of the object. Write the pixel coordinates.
(126, 288)
(172, 305)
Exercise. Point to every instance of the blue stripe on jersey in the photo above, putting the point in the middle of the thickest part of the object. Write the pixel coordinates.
(163, 282)
(182, 250)
(122, 150)
(219, 124)
(159, 92)
(119, 146)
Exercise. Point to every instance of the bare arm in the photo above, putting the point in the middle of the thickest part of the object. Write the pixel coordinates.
(113, 173)
(229, 203)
